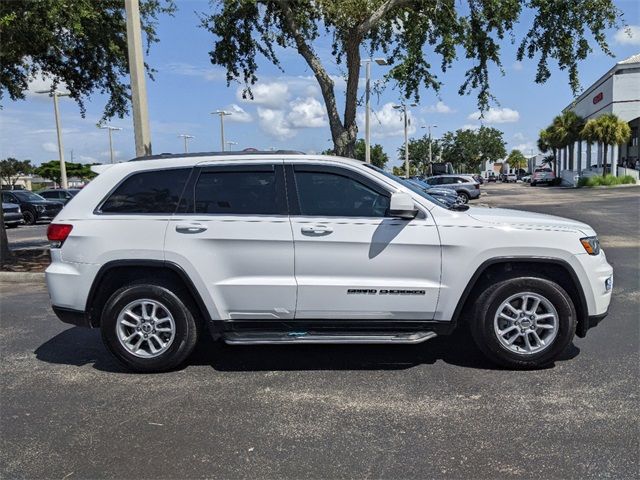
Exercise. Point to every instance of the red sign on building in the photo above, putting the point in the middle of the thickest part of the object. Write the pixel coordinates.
(597, 98)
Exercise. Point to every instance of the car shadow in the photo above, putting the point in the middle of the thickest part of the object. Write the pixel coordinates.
(81, 346)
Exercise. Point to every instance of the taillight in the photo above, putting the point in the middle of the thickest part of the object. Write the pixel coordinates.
(57, 233)
(477, 186)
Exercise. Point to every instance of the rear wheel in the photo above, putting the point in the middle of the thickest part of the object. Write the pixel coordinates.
(464, 197)
(148, 328)
(524, 322)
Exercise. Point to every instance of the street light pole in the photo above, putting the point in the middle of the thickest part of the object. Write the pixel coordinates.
(403, 107)
(429, 127)
(367, 111)
(186, 138)
(139, 106)
(110, 129)
(222, 114)
(63, 166)
(231, 144)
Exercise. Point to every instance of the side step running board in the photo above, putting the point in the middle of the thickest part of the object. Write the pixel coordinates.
(257, 338)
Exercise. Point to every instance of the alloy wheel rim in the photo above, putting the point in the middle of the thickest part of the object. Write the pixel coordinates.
(526, 323)
(146, 328)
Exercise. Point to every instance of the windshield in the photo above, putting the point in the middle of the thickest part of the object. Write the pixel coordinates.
(410, 185)
(27, 196)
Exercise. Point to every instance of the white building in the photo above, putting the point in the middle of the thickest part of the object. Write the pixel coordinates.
(618, 92)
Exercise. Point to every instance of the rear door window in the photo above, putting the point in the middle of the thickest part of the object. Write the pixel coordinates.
(157, 191)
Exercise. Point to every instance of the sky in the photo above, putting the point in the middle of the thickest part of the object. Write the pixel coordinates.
(287, 111)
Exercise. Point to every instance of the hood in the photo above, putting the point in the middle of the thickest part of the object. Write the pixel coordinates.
(519, 218)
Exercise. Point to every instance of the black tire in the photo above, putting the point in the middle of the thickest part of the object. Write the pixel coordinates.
(464, 197)
(30, 217)
(11, 225)
(487, 304)
(186, 331)
(533, 184)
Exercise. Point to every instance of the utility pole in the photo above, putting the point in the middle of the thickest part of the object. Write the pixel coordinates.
(222, 114)
(186, 138)
(110, 129)
(403, 107)
(367, 111)
(429, 127)
(63, 166)
(138, 82)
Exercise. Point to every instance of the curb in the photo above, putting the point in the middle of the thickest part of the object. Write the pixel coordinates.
(21, 277)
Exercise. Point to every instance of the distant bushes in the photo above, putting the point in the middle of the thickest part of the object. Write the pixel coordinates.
(607, 181)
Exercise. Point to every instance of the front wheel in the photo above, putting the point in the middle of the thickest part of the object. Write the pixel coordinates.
(524, 322)
(148, 328)
(29, 217)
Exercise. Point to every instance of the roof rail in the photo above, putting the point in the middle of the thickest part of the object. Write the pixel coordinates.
(217, 154)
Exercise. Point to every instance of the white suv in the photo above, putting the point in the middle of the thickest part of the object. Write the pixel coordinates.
(273, 247)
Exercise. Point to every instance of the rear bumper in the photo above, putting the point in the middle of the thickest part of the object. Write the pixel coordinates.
(13, 218)
(71, 316)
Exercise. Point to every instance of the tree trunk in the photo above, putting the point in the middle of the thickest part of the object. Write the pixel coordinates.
(5, 253)
(605, 147)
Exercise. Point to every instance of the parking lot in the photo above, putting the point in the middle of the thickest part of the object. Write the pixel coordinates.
(434, 410)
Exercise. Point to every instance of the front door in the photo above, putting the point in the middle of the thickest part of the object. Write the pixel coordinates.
(233, 234)
(352, 261)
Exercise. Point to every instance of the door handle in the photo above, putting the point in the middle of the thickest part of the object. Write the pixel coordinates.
(316, 230)
(190, 228)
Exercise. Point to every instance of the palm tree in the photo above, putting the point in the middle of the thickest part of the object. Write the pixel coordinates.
(607, 129)
(548, 141)
(567, 127)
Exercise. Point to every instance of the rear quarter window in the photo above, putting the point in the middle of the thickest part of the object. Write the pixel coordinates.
(155, 191)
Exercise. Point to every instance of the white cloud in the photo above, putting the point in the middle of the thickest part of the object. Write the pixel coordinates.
(275, 123)
(519, 136)
(270, 95)
(470, 126)
(525, 147)
(40, 83)
(307, 113)
(629, 35)
(439, 107)
(496, 115)
(189, 70)
(238, 114)
(50, 147)
(388, 122)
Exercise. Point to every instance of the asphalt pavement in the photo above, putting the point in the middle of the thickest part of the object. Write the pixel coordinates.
(28, 236)
(435, 410)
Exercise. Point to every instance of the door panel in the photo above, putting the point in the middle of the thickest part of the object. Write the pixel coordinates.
(243, 259)
(360, 267)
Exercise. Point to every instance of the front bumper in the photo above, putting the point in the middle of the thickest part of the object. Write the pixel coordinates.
(13, 218)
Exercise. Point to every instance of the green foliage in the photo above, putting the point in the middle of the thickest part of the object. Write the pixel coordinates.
(607, 180)
(607, 129)
(410, 34)
(51, 171)
(78, 43)
(11, 169)
(401, 171)
(378, 156)
(468, 149)
(419, 153)
(517, 160)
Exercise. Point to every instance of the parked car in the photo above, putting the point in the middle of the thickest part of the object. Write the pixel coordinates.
(509, 177)
(478, 178)
(526, 179)
(464, 185)
(542, 175)
(59, 194)
(492, 178)
(293, 249)
(12, 215)
(446, 195)
(34, 207)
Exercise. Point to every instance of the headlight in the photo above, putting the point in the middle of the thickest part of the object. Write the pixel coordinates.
(591, 245)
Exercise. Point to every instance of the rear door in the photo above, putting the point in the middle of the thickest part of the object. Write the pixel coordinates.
(352, 261)
(233, 237)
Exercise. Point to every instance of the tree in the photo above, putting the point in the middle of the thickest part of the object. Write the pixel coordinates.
(468, 149)
(12, 169)
(548, 141)
(79, 44)
(607, 129)
(410, 33)
(419, 153)
(567, 127)
(51, 171)
(517, 160)
(378, 156)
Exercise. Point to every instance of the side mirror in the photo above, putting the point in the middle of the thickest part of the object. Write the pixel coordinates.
(402, 206)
